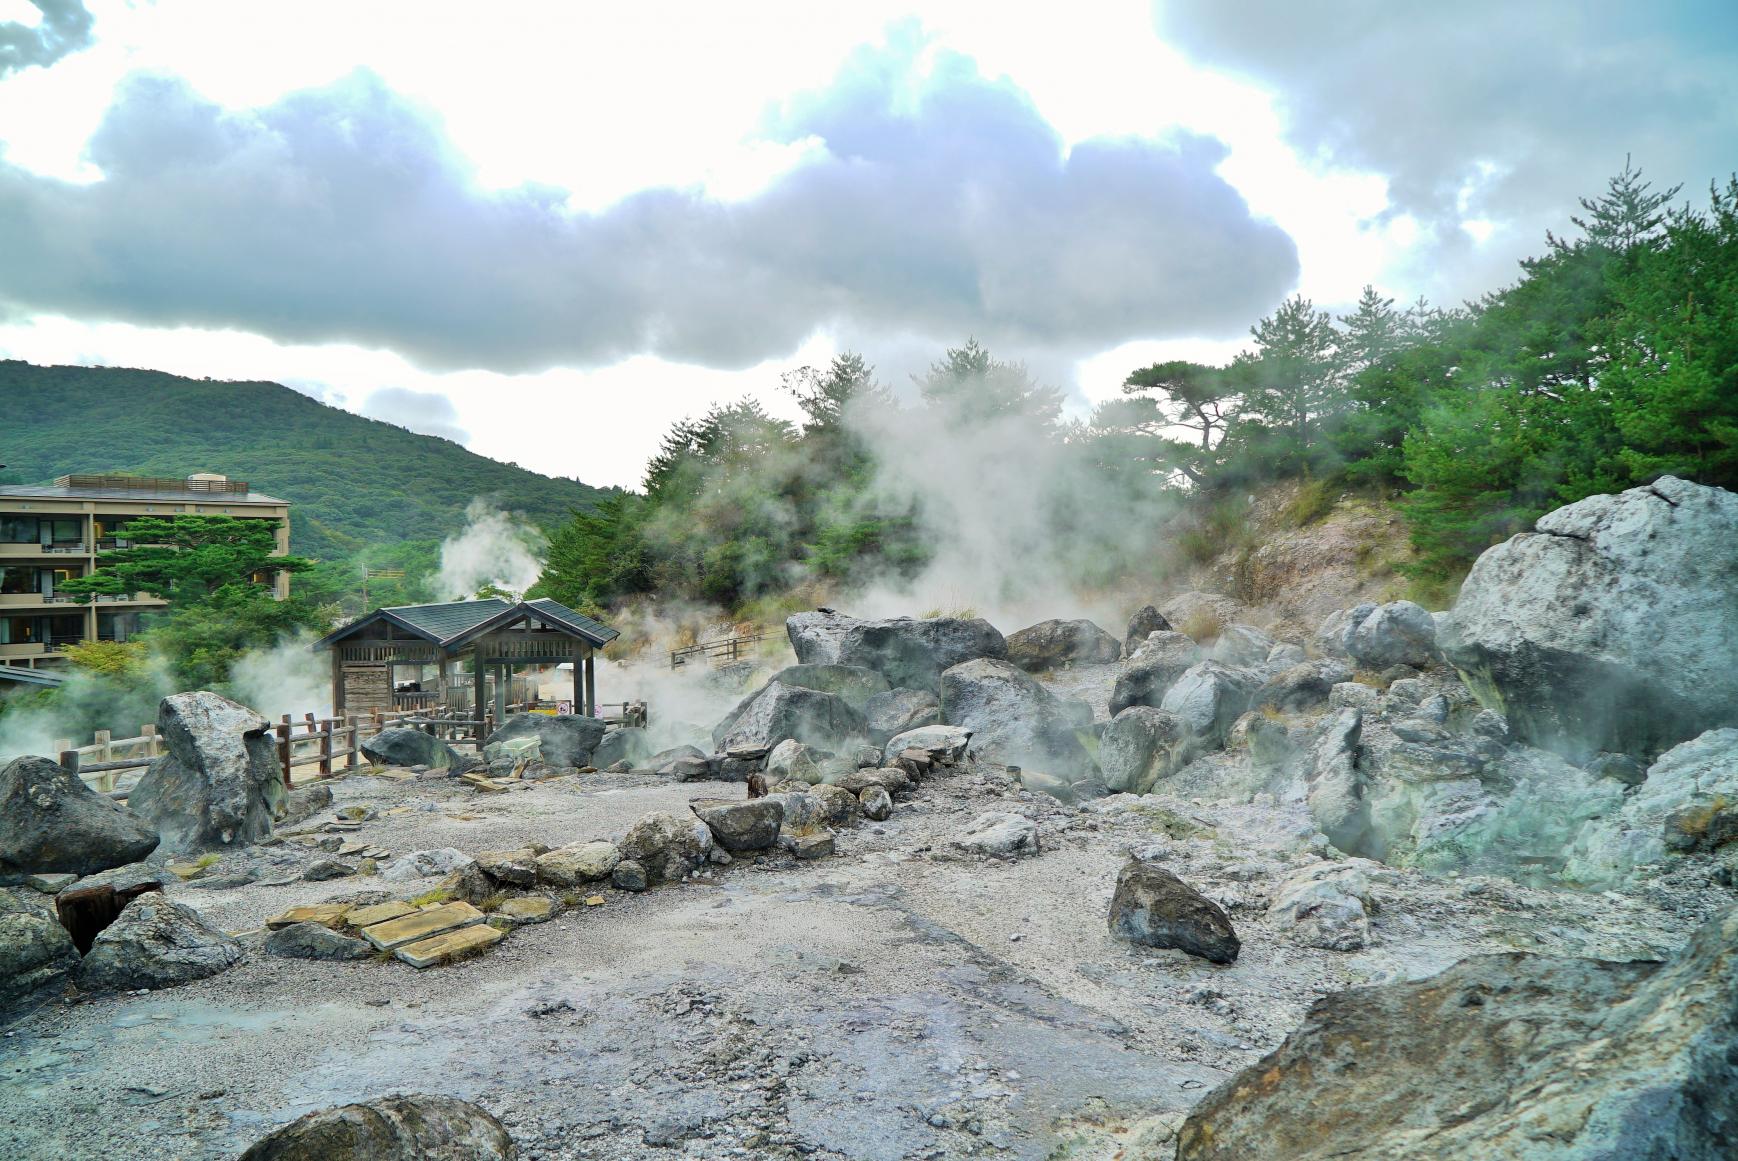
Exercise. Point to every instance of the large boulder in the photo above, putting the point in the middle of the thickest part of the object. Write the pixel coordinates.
(1142, 625)
(779, 711)
(390, 1128)
(403, 746)
(1335, 787)
(1013, 719)
(1053, 644)
(1614, 627)
(1500, 1056)
(1383, 636)
(220, 783)
(908, 652)
(854, 683)
(667, 847)
(1687, 805)
(155, 943)
(1209, 698)
(36, 953)
(51, 821)
(1141, 747)
(565, 739)
(1242, 645)
(1152, 669)
(741, 826)
(1154, 908)
(1303, 686)
(628, 744)
(899, 710)
(791, 761)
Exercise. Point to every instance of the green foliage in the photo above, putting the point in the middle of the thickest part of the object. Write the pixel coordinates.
(186, 558)
(1314, 500)
(204, 639)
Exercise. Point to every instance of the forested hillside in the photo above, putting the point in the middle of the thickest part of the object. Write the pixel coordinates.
(355, 482)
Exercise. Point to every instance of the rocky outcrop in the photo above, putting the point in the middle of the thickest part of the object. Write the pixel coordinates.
(667, 847)
(1152, 669)
(36, 953)
(1141, 747)
(899, 710)
(1383, 636)
(1142, 625)
(565, 739)
(1013, 719)
(1686, 807)
(1614, 627)
(51, 821)
(778, 711)
(908, 652)
(854, 683)
(1209, 698)
(402, 746)
(1154, 908)
(392, 1128)
(219, 784)
(155, 943)
(1513, 1056)
(1052, 644)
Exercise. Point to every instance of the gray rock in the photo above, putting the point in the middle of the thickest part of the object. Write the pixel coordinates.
(1326, 905)
(751, 825)
(854, 683)
(1501, 1056)
(1285, 655)
(804, 813)
(304, 802)
(1354, 695)
(892, 779)
(1335, 793)
(36, 953)
(581, 863)
(1398, 633)
(1240, 646)
(1272, 746)
(778, 711)
(791, 760)
(1152, 669)
(907, 652)
(402, 746)
(815, 845)
(945, 744)
(321, 870)
(689, 768)
(876, 803)
(900, 710)
(667, 847)
(664, 759)
(1052, 644)
(390, 1128)
(564, 739)
(425, 863)
(629, 876)
(1142, 625)
(155, 943)
(1154, 908)
(314, 941)
(630, 744)
(1331, 635)
(219, 784)
(839, 806)
(1077, 712)
(1666, 818)
(1619, 766)
(1013, 719)
(516, 868)
(51, 821)
(1614, 627)
(1304, 686)
(1209, 698)
(999, 833)
(1141, 747)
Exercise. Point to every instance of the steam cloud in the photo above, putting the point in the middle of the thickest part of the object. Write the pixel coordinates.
(495, 548)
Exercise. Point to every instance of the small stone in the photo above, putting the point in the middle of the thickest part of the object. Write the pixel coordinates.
(324, 869)
(594, 900)
(1154, 908)
(629, 876)
(876, 802)
(526, 909)
(51, 882)
(809, 846)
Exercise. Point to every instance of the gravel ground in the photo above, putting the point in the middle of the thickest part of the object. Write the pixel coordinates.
(898, 1000)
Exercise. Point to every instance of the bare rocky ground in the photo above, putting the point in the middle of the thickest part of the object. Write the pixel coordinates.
(899, 1000)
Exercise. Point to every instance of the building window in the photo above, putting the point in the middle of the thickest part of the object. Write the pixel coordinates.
(18, 530)
(17, 581)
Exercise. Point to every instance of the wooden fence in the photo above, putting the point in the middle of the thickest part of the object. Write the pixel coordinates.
(720, 652)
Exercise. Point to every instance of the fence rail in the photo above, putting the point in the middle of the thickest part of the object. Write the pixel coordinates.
(722, 651)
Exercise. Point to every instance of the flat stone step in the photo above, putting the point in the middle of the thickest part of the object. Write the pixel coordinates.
(440, 948)
(325, 914)
(397, 932)
(378, 913)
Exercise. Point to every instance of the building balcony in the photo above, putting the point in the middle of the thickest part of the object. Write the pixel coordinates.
(61, 603)
(33, 550)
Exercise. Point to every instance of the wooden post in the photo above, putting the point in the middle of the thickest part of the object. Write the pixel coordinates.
(354, 758)
(69, 759)
(283, 732)
(105, 746)
(152, 741)
(479, 687)
(590, 684)
(326, 750)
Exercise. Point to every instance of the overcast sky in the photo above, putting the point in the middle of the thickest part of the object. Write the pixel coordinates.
(424, 211)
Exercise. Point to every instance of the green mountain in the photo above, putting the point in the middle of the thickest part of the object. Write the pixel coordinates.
(355, 483)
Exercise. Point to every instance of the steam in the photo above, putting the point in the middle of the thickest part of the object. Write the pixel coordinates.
(288, 678)
(496, 550)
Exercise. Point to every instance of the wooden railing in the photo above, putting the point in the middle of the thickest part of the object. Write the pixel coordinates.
(722, 651)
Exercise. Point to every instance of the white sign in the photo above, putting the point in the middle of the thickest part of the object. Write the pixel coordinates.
(564, 707)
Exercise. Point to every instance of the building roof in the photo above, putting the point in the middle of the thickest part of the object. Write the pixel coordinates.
(171, 495)
(454, 623)
(25, 676)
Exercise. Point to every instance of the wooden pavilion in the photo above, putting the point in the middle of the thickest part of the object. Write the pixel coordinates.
(492, 636)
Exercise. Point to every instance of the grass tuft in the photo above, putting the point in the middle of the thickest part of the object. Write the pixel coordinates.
(1314, 500)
